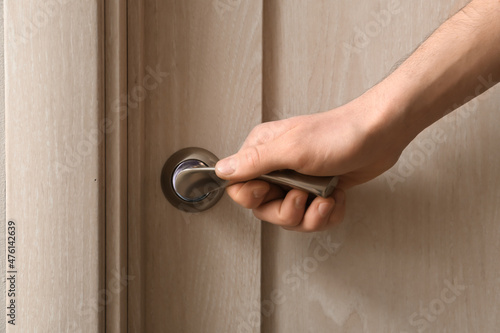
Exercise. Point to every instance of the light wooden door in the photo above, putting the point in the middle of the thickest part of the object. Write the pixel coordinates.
(101, 245)
(201, 272)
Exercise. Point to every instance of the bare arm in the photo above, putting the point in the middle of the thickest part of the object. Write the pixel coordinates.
(446, 68)
(365, 137)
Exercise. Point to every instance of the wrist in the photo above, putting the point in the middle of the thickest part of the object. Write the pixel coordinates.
(389, 107)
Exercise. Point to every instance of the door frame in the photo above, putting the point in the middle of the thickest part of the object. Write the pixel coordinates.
(89, 35)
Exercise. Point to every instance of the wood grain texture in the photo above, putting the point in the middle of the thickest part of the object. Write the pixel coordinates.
(135, 157)
(399, 245)
(3, 258)
(55, 162)
(192, 272)
(117, 278)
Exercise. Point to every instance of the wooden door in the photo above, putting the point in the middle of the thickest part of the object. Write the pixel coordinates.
(101, 249)
(202, 61)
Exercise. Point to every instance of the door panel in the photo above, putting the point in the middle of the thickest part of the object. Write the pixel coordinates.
(195, 79)
(389, 266)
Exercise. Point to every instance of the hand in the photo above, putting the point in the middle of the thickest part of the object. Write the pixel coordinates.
(357, 142)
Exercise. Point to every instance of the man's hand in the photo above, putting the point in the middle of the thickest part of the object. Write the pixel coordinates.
(346, 141)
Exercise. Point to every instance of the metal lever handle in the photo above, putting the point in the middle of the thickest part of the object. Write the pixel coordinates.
(190, 183)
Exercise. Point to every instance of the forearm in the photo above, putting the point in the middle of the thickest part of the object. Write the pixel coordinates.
(455, 62)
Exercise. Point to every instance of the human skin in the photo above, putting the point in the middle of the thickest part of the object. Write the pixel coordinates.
(364, 138)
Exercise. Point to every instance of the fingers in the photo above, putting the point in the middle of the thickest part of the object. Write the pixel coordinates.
(270, 204)
(254, 193)
(285, 212)
(290, 212)
(323, 213)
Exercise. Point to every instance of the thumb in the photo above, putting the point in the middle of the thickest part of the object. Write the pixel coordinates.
(249, 163)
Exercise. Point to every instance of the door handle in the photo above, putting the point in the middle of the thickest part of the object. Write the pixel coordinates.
(190, 183)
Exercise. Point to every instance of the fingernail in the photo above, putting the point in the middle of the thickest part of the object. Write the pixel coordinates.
(325, 208)
(300, 201)
(259, 192)
(339, 197)
(226, 166)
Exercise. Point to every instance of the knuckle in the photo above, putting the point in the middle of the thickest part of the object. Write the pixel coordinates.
(262, 133)
(290, 221)
(253, 156)
(237, 194)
